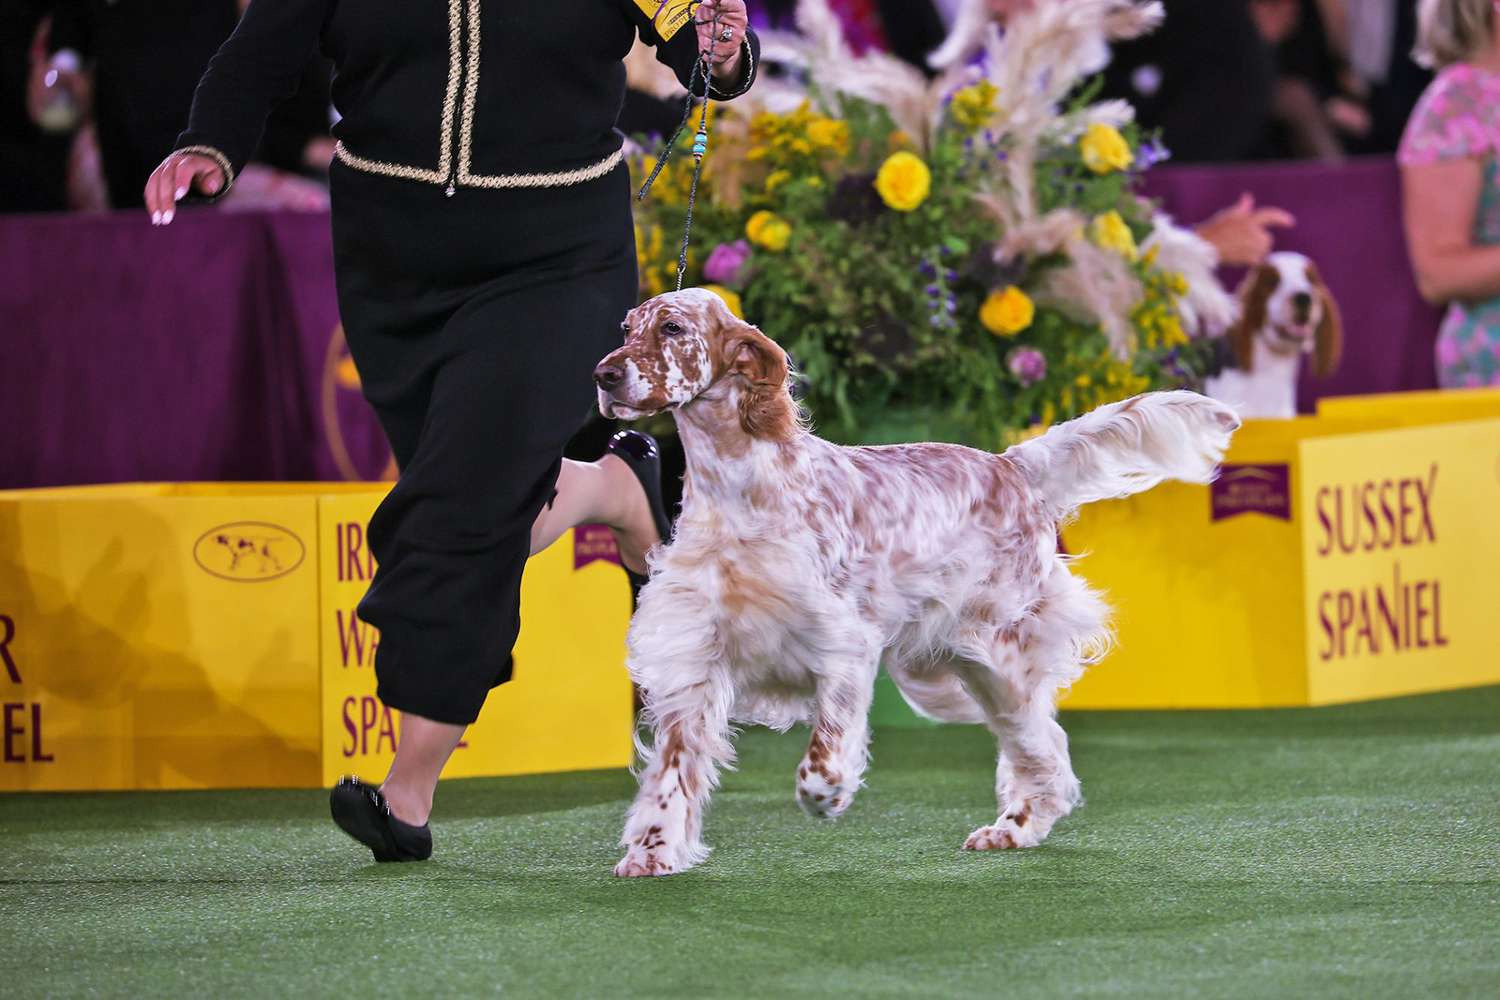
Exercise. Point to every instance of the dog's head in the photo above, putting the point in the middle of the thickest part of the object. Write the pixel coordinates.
(684, 345)
(1284, 302)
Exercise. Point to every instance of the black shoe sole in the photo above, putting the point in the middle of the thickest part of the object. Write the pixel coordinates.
(358, 815)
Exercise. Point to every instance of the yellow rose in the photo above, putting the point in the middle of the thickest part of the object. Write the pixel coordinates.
(903, 181)
(1111, 232)
(767, 229)
(1104, 149)
(731, 299)
(1006, 313)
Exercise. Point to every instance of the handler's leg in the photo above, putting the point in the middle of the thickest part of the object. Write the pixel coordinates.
(603, 492)
(453, 536)
(420, 756)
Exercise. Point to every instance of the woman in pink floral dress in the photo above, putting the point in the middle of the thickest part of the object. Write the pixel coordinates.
(1451, 184)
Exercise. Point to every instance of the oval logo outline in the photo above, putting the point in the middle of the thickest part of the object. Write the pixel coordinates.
(254, 557)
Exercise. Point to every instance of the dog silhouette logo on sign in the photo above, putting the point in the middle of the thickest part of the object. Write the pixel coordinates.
(249, 552)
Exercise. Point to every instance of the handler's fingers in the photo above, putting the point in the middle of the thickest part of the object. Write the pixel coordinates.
(1275, 218)
(159, 192)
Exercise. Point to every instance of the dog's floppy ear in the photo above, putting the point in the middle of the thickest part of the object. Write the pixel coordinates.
(1328, 340)
(756, 356)
(1255, 292)
(766, 407)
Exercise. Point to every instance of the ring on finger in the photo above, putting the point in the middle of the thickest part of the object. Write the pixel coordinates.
(726, 35)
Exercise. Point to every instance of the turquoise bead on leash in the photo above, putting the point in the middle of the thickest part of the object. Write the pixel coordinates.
(701, 70)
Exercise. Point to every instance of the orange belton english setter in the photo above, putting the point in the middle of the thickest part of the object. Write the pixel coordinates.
(798, 567)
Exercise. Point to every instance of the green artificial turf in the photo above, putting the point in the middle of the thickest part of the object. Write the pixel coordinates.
(1350, 851)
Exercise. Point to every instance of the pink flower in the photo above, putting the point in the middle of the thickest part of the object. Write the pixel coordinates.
(726, 264)
(1027, 364)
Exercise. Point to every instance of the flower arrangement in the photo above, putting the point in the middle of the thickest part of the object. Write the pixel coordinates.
(950, 260)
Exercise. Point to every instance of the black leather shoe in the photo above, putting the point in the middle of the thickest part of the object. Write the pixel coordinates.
(639, 451)
(362, 812)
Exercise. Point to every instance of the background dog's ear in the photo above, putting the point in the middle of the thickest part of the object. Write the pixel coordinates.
(1255, 292)
(1328, 339)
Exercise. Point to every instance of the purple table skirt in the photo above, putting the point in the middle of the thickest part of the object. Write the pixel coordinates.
(211, 350)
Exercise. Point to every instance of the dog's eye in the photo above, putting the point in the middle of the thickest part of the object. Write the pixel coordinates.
(671, 328)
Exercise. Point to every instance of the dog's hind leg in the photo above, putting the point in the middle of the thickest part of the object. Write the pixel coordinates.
(833, 768)
(1034, 781)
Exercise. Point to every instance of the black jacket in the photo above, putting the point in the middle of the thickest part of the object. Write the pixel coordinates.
(465, 96)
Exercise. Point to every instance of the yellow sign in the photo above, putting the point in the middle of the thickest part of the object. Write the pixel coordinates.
(1248, 594)
(567, 707)
(1399, 543)
(668, 16)
(203, 636)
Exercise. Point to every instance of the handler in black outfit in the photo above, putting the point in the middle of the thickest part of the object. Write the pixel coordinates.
(484, 253)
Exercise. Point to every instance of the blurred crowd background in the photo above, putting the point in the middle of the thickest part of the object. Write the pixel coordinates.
(95, 91)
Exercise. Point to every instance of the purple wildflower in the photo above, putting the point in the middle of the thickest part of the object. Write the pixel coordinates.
(1027, 364)
(726, 264)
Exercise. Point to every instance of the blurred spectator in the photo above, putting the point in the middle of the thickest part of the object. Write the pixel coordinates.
(134, 67)
(1204, 79)
(33, 162)
(1307, 78)
(1451, 183)
(909, 29)
(1383, 79)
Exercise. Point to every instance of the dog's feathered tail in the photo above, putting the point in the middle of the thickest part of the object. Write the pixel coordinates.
(1127, 447)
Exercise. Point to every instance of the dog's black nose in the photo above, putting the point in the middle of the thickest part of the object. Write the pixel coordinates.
(1302, 302)
(607, 376)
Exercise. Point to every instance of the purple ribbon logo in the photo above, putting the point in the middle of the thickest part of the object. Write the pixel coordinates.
(1252, 489)
(591, 542)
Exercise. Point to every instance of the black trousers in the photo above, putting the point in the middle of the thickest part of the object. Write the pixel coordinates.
(476, 322)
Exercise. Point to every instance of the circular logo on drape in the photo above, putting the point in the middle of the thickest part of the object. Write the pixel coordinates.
(345, 410)
(249, 551)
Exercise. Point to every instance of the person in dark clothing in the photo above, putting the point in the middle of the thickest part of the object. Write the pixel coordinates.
(141, 96)
(484, 256)
(33, 162)
(1204, 79)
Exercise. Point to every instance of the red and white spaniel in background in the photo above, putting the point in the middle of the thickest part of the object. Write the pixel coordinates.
(798, 567)
(1286, 312)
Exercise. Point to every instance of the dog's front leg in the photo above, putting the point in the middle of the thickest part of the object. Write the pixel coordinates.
(833, 768)
(663, 832)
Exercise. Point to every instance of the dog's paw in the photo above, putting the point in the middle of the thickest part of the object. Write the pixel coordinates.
(643, 864)
(1004, 834)
(822, 794)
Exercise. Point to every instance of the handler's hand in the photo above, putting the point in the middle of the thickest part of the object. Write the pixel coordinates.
(1242, 233)
(171, 181)
(727, 53)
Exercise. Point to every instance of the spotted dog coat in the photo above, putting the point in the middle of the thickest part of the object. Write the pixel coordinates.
(799, 567)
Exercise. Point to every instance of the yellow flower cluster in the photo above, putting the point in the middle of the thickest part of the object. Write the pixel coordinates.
(731, 299)
(648, 246)
(672, 184)
(1110, 232)
(1156, 315)
(768, 230)
(800, 135)
(973, 106)
(1007, 312)
(1104, 149)
(1113, 380)
(656, 260)
(903, 181)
